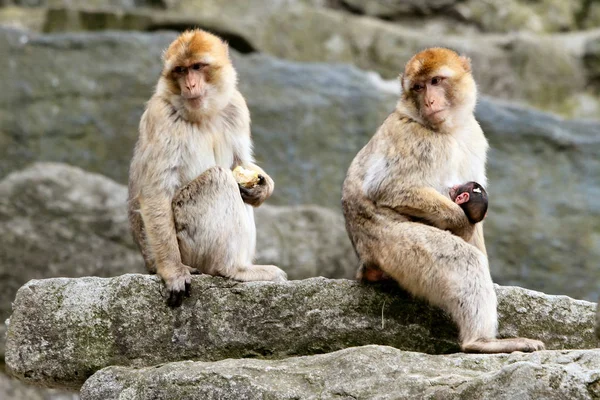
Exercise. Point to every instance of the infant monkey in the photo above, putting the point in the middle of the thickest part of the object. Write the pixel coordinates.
(473, 199)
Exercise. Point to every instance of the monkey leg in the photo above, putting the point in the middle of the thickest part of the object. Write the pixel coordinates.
(216, 231)
(371, 273)
(139, 235)
(449, 273)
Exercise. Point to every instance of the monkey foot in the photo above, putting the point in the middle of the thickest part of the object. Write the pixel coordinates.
(193, 271)
(503, 345)
(178, 281)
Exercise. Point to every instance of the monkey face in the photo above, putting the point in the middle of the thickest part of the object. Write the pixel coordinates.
(191, 81)
(438, 87)
(197, 70)
(430, 96)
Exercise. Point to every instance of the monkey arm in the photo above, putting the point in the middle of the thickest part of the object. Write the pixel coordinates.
(159, 225)
(258, 194)
(427, 204)
(477, 239)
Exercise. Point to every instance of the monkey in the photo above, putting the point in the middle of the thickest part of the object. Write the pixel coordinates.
(472, 198)
(186, 211)
(430, 143)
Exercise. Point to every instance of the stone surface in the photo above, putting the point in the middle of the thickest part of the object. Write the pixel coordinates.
(63, 330)
(306, 241)
(543, 174)
(367, 372)
(511, 66)
(59, 220)
(12, 389)
(598, 322)
(309, 120)
(488, 16)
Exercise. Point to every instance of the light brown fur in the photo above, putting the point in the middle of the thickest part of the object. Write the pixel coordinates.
(398, 212)
(186, 212)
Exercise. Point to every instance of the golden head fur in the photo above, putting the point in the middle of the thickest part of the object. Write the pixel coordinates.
(191, 49)
(458, 86)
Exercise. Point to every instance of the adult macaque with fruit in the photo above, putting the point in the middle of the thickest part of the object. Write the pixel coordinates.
(186, 210)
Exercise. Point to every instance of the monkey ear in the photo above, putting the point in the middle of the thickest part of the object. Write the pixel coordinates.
(403, 83)
(226, 45)
(465, 62)
(462, 198)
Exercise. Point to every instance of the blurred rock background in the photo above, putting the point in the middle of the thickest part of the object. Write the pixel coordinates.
(319, 77)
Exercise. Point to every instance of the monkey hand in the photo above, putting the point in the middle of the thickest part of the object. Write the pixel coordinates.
(246, 178)
(178, 281)
(257, 194)
(464, 230)
(458, 224)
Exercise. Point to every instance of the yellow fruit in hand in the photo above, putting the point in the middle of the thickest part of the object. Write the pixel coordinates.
(245, 177)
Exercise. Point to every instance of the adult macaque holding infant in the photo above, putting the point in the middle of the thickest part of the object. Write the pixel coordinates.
(187, 212)
(397, 202)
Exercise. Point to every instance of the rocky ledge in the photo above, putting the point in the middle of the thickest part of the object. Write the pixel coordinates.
(64, 330)
(361, 373)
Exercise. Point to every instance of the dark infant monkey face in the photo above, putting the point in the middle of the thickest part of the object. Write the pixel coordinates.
(473, 199)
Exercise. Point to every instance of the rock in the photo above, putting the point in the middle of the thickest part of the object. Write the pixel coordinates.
(395, 8)
(58, 220)
(305, 241)
(309, 121)
(591, 60)
(523, 15)
(121, 4)
(361, 373)
(320, 34)
(12, 389)
(60, 112)
(23, 18)
(543, 173)
(64, 115)
(63, 330)
(487, 16)
(598, 322)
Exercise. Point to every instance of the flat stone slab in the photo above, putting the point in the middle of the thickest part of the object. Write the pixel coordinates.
(361, 373)
(63, 330)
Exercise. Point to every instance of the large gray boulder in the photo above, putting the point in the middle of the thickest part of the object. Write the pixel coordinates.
(361, 373)
(63, 330)
(297, 113)
(13, 389)
(487, 16)
(306, 241)
(309, 121)
(59, 220)
(468, 16)
(598, 323)
(543, 176)
(510, 66)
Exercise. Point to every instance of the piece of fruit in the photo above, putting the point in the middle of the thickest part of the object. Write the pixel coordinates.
(245, 177)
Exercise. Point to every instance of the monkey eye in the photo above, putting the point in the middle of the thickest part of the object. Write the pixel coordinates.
(178, 70)
(417, 87)
(198, 66)
(436, 80)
